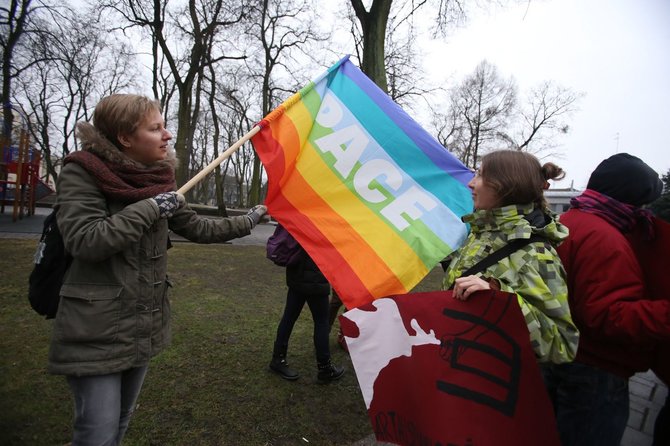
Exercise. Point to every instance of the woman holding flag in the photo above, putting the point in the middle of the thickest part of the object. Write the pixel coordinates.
(509, 205)
(115, 204)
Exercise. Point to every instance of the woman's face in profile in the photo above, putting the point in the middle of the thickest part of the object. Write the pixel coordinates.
(483, 195)
(149, 142)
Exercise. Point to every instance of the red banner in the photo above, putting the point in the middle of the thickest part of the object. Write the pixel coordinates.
(435, 370)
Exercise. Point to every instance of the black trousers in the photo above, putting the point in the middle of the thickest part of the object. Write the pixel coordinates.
(319, 307)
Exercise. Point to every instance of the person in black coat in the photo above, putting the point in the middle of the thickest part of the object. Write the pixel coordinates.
(305, 284)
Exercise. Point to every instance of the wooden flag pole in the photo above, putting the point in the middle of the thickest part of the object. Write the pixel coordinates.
(221, 158)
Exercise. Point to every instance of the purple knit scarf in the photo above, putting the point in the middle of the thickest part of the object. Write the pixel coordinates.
(622, 216)
(125, 182)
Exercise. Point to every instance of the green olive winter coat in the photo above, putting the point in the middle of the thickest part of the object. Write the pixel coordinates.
(534, 273)
(114, 311)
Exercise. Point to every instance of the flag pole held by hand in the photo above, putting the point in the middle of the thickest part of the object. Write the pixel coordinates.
(221, 158)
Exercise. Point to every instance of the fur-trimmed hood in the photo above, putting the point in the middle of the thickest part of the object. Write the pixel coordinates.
(94, 142)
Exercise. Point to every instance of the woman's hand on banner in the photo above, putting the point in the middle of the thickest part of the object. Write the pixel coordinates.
(465, 286)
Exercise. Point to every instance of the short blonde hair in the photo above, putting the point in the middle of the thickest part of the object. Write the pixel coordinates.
(121, 114)
(517, 177)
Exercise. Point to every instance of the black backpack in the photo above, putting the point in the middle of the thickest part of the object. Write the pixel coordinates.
(51, 263)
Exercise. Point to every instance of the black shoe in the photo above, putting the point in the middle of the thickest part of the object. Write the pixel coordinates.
(280, 367)
(329, 372)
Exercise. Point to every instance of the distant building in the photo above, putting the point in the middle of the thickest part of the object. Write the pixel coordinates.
(559, 199)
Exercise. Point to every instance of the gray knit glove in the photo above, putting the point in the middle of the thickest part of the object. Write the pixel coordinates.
(168, 203)
(255, 213)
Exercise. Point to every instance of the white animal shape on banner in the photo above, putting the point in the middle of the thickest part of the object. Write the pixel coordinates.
(386, 327)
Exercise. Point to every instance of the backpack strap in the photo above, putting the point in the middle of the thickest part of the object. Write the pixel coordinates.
(501, 253)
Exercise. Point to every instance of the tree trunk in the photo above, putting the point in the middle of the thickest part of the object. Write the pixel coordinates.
(181, 145)
(255, 186)
(218, 179)
(373, 25)
(16, 19)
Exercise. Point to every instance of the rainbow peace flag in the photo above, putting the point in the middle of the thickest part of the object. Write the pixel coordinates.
(371, 196)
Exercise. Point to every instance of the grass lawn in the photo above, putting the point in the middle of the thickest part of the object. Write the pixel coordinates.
(213, 385)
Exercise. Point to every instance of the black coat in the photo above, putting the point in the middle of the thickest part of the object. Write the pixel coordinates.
(306, 278)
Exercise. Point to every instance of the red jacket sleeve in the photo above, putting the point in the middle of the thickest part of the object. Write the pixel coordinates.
(606, 287)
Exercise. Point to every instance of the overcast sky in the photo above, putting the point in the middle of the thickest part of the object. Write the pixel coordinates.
(615, 51)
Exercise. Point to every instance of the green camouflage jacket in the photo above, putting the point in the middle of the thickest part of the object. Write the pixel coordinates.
(534, 273)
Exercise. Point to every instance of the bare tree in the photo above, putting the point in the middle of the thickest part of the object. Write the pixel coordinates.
(402, 62)
(282, 28)
(405, 75)
(188, 39)
(544, 116)
(480, 109)
(202, 137)
(375, 20)
(36, 88)
(15, 24)
(218, 178)
(75, 65)
(239, 104)
(484, 114)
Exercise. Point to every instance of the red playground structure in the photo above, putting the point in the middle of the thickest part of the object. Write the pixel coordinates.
(19, 177)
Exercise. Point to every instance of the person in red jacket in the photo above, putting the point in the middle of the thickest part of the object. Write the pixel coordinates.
(620, 321)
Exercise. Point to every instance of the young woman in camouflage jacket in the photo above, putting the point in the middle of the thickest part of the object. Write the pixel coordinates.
(509, 204)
